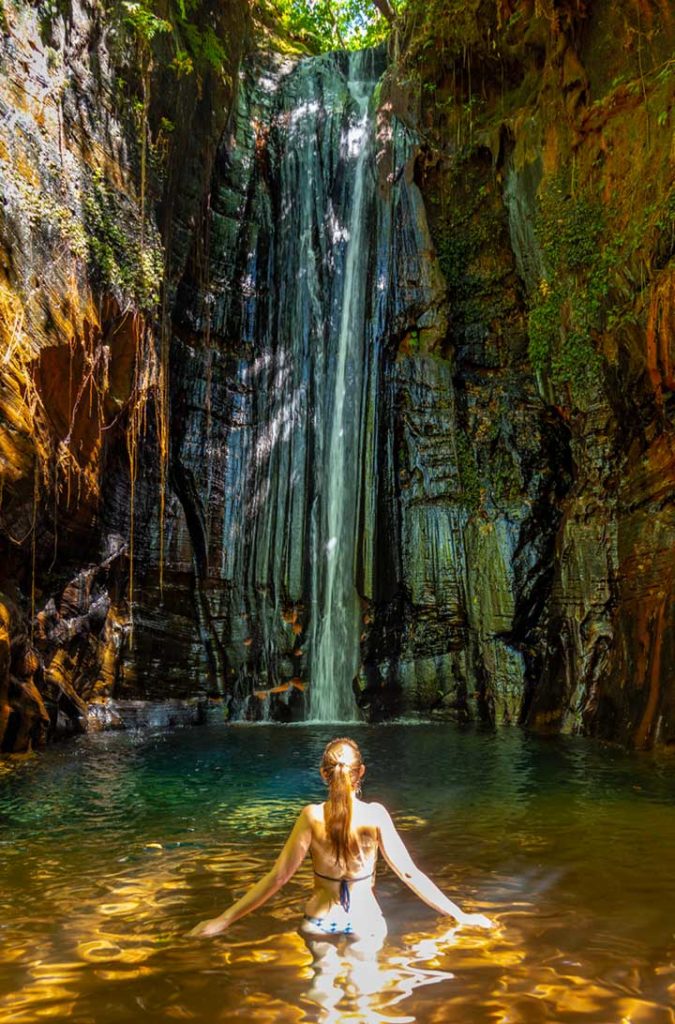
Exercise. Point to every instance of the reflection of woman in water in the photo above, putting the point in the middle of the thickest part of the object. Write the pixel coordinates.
(343, 835)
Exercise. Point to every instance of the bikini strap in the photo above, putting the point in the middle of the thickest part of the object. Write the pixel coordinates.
(345, 899)
(344, 878)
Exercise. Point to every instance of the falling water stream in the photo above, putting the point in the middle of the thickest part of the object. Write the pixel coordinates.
(335, 618)
(321, 259)
(299, 287)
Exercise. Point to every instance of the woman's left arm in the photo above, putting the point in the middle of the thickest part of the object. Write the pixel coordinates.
(285, 866)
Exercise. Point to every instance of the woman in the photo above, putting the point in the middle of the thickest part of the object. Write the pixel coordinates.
(343, 835)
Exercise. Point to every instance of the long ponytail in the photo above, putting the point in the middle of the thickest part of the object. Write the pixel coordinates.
(341, 764)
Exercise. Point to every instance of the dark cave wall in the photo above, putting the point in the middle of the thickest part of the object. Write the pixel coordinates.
(102, 169)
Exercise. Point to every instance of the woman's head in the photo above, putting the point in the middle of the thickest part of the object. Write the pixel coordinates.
(343, 757)
(342, 769)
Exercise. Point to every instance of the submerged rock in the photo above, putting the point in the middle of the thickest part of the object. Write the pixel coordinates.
(138, 715)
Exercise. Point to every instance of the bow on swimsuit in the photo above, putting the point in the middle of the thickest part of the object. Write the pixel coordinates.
(344, 886)
(345, 902)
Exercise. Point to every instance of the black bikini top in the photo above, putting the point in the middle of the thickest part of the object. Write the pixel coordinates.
(344, 885)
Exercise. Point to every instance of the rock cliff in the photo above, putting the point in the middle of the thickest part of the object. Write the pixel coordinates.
(548, 174)
(175, 270)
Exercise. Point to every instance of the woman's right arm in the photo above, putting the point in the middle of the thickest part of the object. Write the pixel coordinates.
(399, 860)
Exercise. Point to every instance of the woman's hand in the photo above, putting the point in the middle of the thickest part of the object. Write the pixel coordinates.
(476, 921)
(207, 929)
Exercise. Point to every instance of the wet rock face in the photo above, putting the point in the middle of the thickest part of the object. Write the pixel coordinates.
(71, 656)
(587, 192)
(456, 465)
(69, 327)
(501, 512)
(80, 268)
(282, 455)
(480, 466)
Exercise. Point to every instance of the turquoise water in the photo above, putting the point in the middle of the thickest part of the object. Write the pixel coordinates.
(114, 845)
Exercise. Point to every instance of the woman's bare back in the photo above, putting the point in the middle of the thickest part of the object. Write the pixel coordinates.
(324, 905)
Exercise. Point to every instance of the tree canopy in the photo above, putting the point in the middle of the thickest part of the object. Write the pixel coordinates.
(338, 24)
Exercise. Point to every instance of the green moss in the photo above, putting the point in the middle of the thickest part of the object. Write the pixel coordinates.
(204, 46)
(467, 466)
(567, 310)
(568, 227)
(507, 485)
(597, 256)
(467, 224)
(119, 259)
(48, 215)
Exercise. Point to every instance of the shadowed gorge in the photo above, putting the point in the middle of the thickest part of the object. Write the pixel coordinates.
(337, 464)
(337, 385)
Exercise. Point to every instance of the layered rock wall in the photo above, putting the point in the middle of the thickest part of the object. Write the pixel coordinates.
(97, 201)
(515, 497)
(560, 122)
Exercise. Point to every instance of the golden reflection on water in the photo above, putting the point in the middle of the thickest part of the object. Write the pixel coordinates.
(136, 933)
(93, 923)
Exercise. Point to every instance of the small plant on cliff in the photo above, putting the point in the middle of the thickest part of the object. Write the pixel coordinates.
(197, 47)
(567, 311)
(140, 17)
(116, 256)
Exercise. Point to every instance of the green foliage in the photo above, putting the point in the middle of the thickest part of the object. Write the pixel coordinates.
(470, 225)
(197, 47)
(204, 46)
(182, 64)
(118, 257)
(568, 227)
(596, 259)
(45, 212)
(332, 24)
(568, 310)
(544, 326)
(140, 17)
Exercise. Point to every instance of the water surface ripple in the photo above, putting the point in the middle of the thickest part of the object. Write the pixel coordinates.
(113, 846)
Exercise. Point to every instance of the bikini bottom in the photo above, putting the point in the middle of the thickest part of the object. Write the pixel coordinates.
(330, 928)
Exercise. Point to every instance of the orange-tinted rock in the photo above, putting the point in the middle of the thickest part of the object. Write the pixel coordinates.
(28, 722)
(5, 654)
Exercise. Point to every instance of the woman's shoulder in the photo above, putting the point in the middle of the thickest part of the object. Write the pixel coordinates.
(374, 811)
(371, 810)
(314, 812)
(373, 805)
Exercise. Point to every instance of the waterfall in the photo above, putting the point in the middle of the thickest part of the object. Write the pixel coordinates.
(335, 601)
(315, 242)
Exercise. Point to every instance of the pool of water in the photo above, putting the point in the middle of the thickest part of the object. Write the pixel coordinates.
(114, 845)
